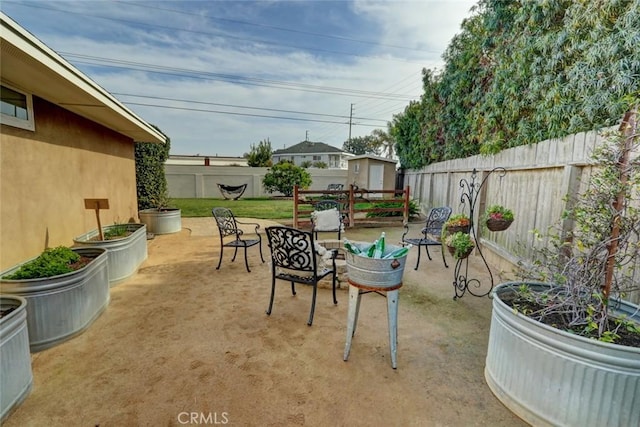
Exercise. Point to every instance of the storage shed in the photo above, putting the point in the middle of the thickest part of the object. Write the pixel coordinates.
(372, 172)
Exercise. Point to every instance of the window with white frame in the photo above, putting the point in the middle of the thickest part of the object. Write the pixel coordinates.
(16, 108)
(316, 157)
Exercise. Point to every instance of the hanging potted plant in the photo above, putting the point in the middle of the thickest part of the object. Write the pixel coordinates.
(498, 218)
(459, 244)
(564, 347)
(16, 376)
(456, 223)
(151, 187)
(66, 290)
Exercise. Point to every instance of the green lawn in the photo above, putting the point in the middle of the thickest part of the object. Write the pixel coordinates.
(264, 208)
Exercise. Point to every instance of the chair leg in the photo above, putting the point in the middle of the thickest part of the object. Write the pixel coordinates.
(426, 248)
(443, 258)
(335, 300)
(220, 260)
(313, 302)
(246, 262)
(234, 254)
(293, 288)
(418, 262)
(273, 292)
(260, 246)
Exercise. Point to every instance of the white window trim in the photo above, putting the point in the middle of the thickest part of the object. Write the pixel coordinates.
(28, 124)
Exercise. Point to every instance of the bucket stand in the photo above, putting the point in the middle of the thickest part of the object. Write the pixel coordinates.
(356, 290)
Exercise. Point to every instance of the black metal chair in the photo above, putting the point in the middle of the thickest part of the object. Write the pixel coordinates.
(324, 219)
(294, 259)
(228, 226)
(430, 233)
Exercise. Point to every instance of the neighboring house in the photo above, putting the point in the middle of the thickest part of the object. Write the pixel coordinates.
(63, 139)
(307, 151)
(198, 160)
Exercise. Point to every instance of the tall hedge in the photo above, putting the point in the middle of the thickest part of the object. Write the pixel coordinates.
(151, 182)
(520, 72)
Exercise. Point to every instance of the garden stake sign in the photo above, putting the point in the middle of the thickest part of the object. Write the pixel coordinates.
(97, 204)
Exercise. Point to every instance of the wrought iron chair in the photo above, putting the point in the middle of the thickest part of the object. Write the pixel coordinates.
(430, 233)
(327, 217)
(294, 259)
(228, 226)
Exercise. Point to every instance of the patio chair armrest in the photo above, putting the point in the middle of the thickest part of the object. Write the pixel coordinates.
(251, 223)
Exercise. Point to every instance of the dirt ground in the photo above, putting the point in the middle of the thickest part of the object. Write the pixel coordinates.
(184, 344)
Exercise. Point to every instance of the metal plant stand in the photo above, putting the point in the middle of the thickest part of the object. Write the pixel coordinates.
(462, 283)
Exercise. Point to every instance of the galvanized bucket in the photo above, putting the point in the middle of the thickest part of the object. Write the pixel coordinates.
(375, 272)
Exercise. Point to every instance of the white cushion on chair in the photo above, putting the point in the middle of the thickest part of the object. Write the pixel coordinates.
(327, 220)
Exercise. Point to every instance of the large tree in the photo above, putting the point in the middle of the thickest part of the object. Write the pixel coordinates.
(363, 145)
(260, 155)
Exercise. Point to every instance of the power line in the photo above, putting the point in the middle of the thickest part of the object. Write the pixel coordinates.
(272, 27)
(208, 33)
(204, 75)
(242, 114)
(239, 106)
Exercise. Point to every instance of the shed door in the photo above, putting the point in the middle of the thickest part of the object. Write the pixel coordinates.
(376, 179)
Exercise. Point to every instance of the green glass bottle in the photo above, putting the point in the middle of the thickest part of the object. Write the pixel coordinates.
(379, 247)
(351, 247)
(398, 253)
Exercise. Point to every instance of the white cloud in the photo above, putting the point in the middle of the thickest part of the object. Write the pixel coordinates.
(423, 25)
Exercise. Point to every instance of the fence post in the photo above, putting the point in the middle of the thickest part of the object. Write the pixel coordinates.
(352, 201)
(405, 213)
(295, 206)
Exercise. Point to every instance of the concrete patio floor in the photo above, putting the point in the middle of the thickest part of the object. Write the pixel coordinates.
(182, 343)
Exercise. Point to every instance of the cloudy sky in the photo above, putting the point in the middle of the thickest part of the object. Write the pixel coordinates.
(218, 76)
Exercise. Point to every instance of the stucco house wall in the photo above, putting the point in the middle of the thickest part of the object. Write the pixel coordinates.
(46, 175)
(79, 144)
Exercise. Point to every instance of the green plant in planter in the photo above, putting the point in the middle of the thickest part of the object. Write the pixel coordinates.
(51, 262)
(592, 265)
(460, 244)
(498, 218)
(458, 220)
(499, 212)
(116, 230)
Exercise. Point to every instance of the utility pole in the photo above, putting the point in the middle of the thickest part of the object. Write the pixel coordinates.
(350, 121)
(306, 137)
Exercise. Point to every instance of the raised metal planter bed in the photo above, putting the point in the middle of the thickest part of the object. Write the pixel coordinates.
(125, 253)
(61, 307)
(16, 377)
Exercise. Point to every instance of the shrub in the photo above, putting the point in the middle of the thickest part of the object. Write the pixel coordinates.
(283, 176)
(414, 210)
(51, 262)
(151, 182)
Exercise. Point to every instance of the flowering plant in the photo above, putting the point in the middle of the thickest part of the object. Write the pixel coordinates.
(499, 212)
(458, 220)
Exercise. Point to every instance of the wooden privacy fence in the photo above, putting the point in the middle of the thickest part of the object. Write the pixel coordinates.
(304, 200)
(537, 179)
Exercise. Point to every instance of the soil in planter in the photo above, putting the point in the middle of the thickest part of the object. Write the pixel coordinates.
(110, 237)
(556, 320)
(6, 311)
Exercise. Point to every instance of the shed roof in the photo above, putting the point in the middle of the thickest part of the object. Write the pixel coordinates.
(308, 147)
(30, 65)
(369, 156)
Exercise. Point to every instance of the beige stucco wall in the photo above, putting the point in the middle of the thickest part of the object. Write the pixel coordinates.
(46, 175)
(361, 179)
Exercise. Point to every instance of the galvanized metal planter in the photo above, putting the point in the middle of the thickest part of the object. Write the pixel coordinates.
(61, 307)
(125, 253)
(161, 221)
(375, 272)
(16, 377)
(550, 377)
